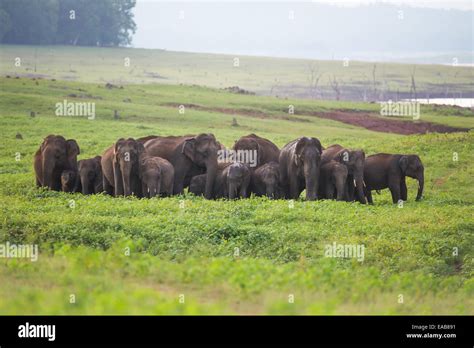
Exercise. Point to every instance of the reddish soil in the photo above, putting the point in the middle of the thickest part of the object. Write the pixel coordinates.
(381, 124)
(366, 120)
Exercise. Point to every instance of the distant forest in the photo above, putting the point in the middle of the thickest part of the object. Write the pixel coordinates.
(67, 22)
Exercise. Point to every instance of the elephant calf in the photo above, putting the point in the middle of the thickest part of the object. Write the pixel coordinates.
(232, 181)
(69, 181)
(333, 180)
(265, 180)
(90, 175)
(157, 176)
(389, 171)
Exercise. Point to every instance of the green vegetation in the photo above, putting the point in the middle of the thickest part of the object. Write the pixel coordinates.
(244, 256)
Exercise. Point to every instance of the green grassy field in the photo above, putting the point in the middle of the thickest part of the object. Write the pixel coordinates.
(187, 255)
(264, 75)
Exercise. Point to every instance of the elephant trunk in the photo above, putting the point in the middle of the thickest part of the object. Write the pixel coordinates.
(48, 169)
(311, 176)
(126, 169)
(421, 183)
(233, 189)
(359, 184)
(211, 171)
(340, 187)
(270, 191)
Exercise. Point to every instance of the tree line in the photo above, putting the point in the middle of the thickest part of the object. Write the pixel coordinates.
(67, 22)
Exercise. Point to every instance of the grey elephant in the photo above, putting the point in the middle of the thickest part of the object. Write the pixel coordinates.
(69, 181)
(232, 181)
(265, 151)
(299, 165)
(190, 156)
(120, 168)
(265, 181)
(157, 176)
(332, 182)
(354, 161)
(55, 155)
(389, 171)
(90, 175)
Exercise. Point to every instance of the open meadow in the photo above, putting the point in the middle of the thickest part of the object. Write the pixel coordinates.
(187, 255)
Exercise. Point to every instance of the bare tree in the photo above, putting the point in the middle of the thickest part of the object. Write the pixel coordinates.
(413, 84)
(335, 86)
(314, 75)
(374, 81)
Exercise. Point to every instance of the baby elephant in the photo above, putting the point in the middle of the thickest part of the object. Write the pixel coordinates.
(333, 179)
(232, 181)
(157, 176)
(265, 181)
(90, 175)
(384, 170)
(69, 181)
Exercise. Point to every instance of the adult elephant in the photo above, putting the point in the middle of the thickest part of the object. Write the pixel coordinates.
(120, 168)
(385, 170)
(354, 162)
(299, 163)
(55, 155)
(266, 150)
(90, 175)
(190, 156)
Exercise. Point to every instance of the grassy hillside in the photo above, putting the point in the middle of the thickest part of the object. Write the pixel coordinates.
(247, 256)
(264, 75)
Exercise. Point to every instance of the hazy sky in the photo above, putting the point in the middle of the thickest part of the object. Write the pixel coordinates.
(312, 29)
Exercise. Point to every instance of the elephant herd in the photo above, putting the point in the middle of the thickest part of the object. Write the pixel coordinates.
(166, 165)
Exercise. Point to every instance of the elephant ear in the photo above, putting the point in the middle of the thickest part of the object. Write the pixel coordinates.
(316, 142)
(72, 148)
(300, 145)
(343, 156)
(403, 163)
(140, 148)
(189, 148)
(117, 145)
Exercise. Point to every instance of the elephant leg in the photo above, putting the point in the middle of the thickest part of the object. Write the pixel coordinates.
(294, 192)
(145, 191)
(403, 189)
(329, 194)
(395, 191)
(107, 187)
(369, 196)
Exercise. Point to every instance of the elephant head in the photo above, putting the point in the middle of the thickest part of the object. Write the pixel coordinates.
(308, 158)
(411, 166)
(354, 161)
(270, 176)
(90, 174)
(68, 180)
(202, 150)
(57, 154)
(127, 153)
(150, 176)
(238, 179)
(252, 148)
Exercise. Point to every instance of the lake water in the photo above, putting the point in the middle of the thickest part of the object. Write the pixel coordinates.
(463, 102)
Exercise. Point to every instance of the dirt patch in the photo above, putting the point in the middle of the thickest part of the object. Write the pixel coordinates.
(357, 118)
(376, 123)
